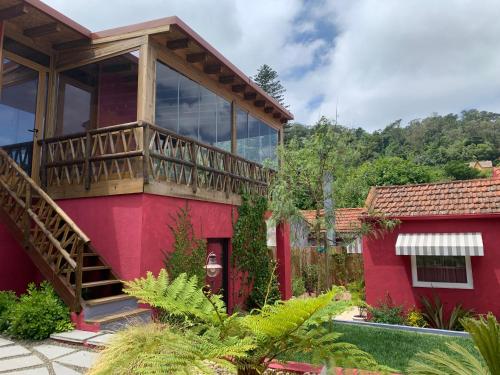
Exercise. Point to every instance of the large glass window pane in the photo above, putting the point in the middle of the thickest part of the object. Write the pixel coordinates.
(208, 116)
(223, 124)
(18, 103)
(274, 138)
(98, 95)
(189, 107)
(241, 132)
(167, 97)
(253, 142)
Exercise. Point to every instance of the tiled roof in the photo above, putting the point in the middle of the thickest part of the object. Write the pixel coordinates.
(346, 219)
(481, 196)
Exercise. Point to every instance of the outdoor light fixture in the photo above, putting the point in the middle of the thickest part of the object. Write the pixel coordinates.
(211, 266)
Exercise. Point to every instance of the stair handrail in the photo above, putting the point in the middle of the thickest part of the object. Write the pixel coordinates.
(45, 196)
(84, 241)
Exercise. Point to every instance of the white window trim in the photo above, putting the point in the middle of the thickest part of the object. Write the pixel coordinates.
(430, 284)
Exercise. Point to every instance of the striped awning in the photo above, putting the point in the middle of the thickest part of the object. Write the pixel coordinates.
(356, 246)
(447, 244)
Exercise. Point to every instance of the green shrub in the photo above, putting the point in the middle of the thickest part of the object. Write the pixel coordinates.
(7, 300)
(386, 312)
(298, 287)
(415, 318)
(38, 313)
(310, 275)
(434, 314)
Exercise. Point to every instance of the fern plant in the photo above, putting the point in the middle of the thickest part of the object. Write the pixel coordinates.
(199, 333)
(485, 333)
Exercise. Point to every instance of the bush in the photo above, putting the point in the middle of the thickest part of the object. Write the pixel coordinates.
(7, 301)
(298, 287)
(415, 318)
(434, 314)
(310, 275)
(38, 313)
(386, 312)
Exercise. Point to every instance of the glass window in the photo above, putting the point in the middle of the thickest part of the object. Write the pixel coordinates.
(241, 133)
(98, 95)
(256, 140)
(18, 103)
(437, 271)
(186, 107)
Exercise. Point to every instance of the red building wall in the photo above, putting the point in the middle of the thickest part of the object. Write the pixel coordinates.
(131, 233)
(386, 272)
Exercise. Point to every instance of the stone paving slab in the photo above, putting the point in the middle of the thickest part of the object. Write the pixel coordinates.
(80, 359)
(53, 351)
(4, 342)
(75, 336)
(63, 370)
(12, 351)
(33, 371)
(101, 340)
(19, 362)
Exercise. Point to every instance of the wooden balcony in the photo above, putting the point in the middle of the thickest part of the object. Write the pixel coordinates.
(140, 157)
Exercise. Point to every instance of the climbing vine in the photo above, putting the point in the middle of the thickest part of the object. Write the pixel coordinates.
(250, 254)
(188, 253)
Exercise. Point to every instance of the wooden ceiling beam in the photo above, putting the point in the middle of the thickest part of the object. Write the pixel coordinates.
(226, 79)
(178, 43)
(212, 68)
(250, 95)
(71, 44)
(238, 88)
(39, 31)
(268, 109)
(277, 115)
(259, 103)
(196, 57)
(13, 12)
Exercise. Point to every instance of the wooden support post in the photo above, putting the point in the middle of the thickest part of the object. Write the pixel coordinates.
(27, 222)
(194, 174)
(78, 275)
(43, 172)
(145, 148)
(227, 176)
(87, 166)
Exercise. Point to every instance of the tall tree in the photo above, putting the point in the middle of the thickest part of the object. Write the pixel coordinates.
(267, 79)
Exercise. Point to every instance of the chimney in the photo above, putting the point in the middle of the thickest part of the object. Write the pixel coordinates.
(496, 173)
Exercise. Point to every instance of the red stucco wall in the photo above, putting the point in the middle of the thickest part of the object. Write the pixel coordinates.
(387, 272)
(16, 268)
(131, 233)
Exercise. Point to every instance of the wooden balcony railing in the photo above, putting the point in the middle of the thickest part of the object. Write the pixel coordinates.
(148, 152)
(55, 242)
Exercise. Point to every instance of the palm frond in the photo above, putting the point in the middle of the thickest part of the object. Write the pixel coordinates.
(438, 362)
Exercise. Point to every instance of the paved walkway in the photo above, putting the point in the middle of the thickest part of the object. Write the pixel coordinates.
(48, 357)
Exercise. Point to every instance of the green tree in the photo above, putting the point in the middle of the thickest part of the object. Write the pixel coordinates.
(461, 171)
(267, 79)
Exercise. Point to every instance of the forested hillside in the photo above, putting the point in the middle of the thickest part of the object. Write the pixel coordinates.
(436, 148)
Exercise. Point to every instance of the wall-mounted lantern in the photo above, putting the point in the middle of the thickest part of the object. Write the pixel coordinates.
(211, 266)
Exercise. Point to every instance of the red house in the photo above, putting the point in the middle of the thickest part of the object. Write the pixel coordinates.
(104, 136)
(448, 244)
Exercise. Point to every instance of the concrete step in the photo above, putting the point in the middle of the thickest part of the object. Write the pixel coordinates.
(108, 306)
(117, 321)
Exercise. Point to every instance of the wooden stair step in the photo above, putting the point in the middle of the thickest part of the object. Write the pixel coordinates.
(103, 300)
(95, 268)
(117, 316)
(93, 284)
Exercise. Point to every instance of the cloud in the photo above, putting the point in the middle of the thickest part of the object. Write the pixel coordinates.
(371, 61)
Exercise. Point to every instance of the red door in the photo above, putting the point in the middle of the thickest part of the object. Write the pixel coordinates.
(219, 284)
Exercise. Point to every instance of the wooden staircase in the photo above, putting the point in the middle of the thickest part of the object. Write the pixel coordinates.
(61, 251)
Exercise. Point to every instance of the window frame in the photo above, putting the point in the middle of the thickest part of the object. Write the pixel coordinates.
(429, 284)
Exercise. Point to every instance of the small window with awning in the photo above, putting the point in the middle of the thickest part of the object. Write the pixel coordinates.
(441, 260)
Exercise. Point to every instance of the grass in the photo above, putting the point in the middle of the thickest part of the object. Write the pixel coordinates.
(392, 348)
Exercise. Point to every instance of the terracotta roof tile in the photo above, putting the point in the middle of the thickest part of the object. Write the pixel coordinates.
(346, 219)
(448, 198)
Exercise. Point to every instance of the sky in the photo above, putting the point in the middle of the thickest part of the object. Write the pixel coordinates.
(365, 63)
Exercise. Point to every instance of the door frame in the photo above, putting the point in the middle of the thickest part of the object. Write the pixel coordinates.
(41, 107)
